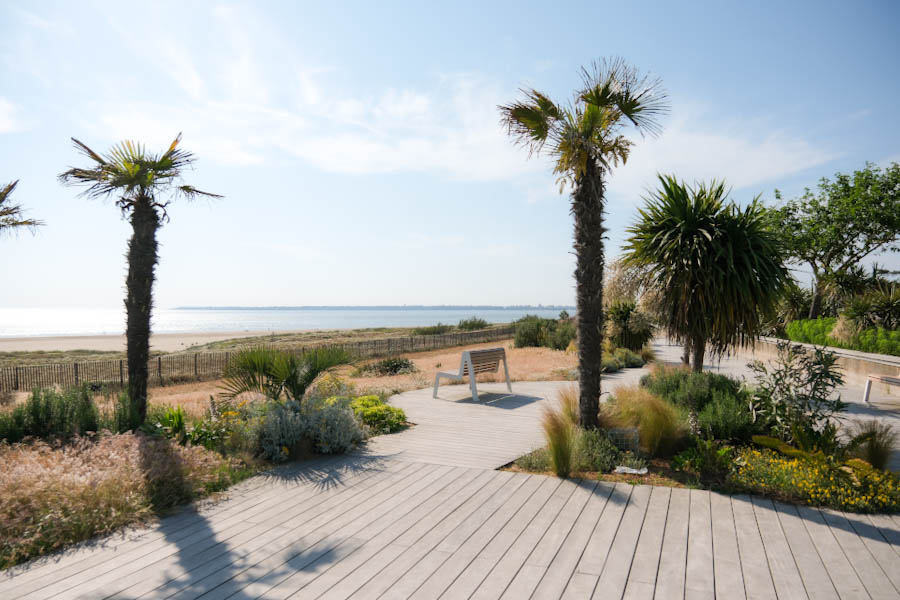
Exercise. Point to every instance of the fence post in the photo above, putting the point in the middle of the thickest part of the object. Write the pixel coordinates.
(195, 367)
(76, 373)
(16, 387)
(159, 368)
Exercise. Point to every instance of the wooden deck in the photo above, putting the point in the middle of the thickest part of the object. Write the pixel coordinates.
(424, 514)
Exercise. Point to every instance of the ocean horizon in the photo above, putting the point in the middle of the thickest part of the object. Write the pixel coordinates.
(47, 322)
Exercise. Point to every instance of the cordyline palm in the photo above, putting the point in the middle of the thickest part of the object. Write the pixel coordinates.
(145, 184)
(719, 269)
(585, 139)
(12, 215)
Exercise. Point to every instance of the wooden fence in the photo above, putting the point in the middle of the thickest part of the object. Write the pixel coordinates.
(210, 365)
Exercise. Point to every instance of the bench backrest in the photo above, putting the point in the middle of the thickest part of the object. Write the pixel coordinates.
(483, 361)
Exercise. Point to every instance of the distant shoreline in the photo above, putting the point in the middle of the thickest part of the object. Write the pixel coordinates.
(384, 307)
(162, 342)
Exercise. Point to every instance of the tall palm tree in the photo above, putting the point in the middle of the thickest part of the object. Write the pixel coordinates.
(719, 268)
(12, 216)
(585, 139)
(145, 185)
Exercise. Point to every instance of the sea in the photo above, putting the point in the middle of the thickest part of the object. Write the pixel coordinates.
(29, 322)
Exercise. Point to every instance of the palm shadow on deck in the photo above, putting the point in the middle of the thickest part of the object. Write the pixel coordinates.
(504, 401)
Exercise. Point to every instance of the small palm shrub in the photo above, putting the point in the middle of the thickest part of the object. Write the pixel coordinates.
(661, 426)
(873, 441)
(378, 416)
(472, 324)
(628, 327)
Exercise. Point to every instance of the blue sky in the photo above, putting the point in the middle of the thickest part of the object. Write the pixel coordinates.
(358, 145)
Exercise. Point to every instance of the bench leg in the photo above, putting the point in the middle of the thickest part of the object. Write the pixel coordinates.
(437, 379)
(868, 389)
(506, 370)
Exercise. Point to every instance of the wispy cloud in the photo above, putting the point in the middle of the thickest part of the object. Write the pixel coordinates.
(9, 120)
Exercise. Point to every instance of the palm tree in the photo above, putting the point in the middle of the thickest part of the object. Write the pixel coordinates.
(719, 268)
(145, 185)
(12, 215)
(586, 142)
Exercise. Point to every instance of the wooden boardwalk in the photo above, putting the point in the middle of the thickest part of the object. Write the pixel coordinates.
(424, 514)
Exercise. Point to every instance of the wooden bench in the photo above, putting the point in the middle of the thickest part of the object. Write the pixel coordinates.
(474, 362)
(885, 379)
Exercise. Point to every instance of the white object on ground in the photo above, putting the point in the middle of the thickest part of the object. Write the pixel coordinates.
(630, 471)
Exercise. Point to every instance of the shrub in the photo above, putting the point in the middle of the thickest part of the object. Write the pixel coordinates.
(282, 429)
(629, 359)
(329, 386)
(796, 392)
(727, 417)
(661, 426)
(873, 441)
(707, 459)
(377, 415)
(561, 433)
(609, 364)
(692, 391)
(438, 329)
(535, 461)
(810, 331)
(388, 367)
(533, 331)
(595, 451)
(648, 354)
(627, 326)
(48, 413)
(568, 404)
(850, 487)
(844, 332)
(332, 427)
(167, 421)
(472, 324)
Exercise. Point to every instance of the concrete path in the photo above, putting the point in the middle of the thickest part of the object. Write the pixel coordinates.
(424, 514)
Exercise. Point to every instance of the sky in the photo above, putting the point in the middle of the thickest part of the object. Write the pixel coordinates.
(358, 145)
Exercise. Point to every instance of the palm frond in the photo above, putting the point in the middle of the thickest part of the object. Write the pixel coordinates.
(12, 216)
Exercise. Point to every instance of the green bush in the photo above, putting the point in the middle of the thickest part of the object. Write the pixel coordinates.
(707, 459)
(388, 367)
(595, 452)
(610, 364)
(472, 324)
(817, 331)
(282, 428)
(727, 417)
(333, 428)
(379, 416)
(533, 331)
(438, 329)
(692, 391)
(629, 359)
(48, 413)
(536, 461)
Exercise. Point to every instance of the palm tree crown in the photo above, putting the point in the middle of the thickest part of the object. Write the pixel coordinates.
(12, 215)
(718, 268)
(130, 170)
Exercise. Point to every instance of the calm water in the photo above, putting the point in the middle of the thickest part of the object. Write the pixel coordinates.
(19, 322)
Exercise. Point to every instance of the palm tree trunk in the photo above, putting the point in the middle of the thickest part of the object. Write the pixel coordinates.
(142, 258)
(816, 306)
(587, 208)
(698, 349)
(686, 355)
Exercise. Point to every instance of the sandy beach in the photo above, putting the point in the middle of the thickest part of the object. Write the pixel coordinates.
(163, 342)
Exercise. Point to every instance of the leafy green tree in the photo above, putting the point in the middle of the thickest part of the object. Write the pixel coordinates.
(585, 139)
(847, 220)
(12, 216)
(718, 268)
(145, 184)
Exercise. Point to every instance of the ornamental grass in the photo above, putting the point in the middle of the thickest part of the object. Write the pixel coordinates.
(53, 495)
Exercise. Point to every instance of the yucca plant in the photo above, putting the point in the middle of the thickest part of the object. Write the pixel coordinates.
(145, 184)
(279, 374)
(873, 441)
(586, 141)
(719, 268)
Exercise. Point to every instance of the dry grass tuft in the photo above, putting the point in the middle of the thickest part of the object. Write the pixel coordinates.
(55, 495)
(661, 425)
(561, 430)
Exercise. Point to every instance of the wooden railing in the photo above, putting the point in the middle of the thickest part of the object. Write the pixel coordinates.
(210, 365)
